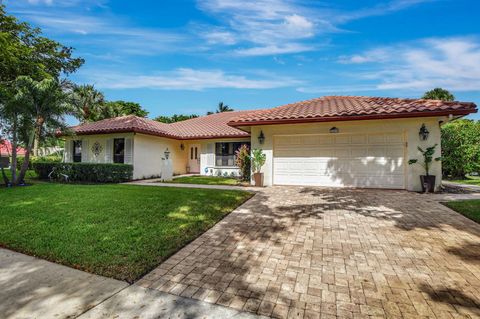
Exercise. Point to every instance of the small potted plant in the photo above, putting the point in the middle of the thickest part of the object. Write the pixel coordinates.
(258, 159)
(427, 181)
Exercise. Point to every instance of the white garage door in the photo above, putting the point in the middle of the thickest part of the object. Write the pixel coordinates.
(349, 160)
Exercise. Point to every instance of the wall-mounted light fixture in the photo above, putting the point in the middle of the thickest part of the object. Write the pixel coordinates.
(182, 146)
(167, 153)
(423, 133)
(261, 138)
(334, 130)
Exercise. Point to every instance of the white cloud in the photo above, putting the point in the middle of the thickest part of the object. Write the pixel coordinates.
(114, 35)
(262, 27)
(188, 79)
(268, 27)
(219, 36)
(273, 49)
(451, 63)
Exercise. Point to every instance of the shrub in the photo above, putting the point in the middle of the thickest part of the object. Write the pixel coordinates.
(258, 159)
(461, 148)
(85, 172)
(34, 159)
(242, 160)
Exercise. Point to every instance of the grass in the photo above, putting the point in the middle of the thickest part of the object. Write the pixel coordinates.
(470, 180)
(30, 176)
(206, 180)
(468, 208)
(120, 231)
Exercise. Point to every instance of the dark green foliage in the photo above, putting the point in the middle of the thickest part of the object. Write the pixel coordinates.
(221, 108)
(120, 108)
(461, 148)
(439, 94)
(174, 118)
(35, 159)
(85, 172)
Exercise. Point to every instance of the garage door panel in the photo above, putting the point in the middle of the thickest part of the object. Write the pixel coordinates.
(360, 160)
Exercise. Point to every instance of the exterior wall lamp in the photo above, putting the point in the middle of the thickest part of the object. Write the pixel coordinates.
(334, 130)
(167, 153)
(261, 138)
(423, 133)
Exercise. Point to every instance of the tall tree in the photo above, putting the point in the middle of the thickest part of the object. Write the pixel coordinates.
(438, 94)
(25, 52)
(221, 108)
(43, 105)
(88, 103)
(174, 118)
(460, 148)
(120, 108)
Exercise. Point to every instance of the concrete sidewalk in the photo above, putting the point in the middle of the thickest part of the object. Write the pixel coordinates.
(35, 288)
(139, 302)
(472, 188)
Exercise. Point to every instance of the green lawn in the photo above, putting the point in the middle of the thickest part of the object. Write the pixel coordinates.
(121, 231)
(468, 208)
(30, 176)
(471, 180)
(206, 180)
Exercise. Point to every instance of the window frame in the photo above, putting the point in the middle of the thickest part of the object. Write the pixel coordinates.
(76, 157)
(120, 157)
(227, 155)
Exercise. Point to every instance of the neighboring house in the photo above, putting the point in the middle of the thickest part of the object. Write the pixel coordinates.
(330, 141)
(6, 152)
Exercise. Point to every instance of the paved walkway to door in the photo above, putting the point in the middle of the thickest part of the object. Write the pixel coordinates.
(320, 252)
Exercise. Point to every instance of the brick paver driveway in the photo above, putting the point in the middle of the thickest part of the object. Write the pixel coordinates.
(319, 252)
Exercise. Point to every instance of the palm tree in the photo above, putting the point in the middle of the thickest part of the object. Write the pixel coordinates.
(42, 105)
(221, 108)
(439, 94)
(88, 103)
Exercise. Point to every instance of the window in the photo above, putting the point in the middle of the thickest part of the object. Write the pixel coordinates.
(225, 153)
(119, 150)
(77, 151)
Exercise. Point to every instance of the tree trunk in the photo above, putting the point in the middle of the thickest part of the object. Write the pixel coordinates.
(26, 162)
(13, 166)
(38, 133)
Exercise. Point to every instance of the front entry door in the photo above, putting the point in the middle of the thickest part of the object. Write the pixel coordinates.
(194, 158)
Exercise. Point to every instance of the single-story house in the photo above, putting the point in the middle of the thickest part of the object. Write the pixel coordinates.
(343, 141)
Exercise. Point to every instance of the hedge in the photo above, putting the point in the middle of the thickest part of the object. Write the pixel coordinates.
(85, 172)
(35, 159)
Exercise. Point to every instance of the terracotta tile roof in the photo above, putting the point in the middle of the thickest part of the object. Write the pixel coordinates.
(214, 125)
(129, 123)
(6, 149)
(335, 108)
(210, 126)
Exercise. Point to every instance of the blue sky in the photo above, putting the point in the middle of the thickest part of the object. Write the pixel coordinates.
(183, 56)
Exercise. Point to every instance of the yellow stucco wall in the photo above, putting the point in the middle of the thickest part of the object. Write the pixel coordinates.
(409, 127)
(149, 151)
